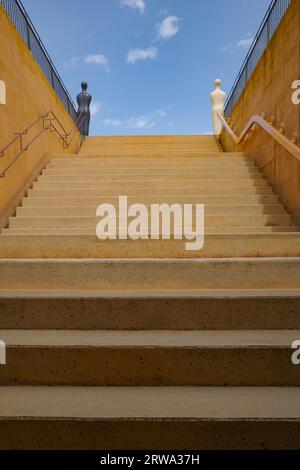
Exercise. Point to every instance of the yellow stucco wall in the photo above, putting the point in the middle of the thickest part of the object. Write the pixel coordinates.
(28, 95)
(269, 90)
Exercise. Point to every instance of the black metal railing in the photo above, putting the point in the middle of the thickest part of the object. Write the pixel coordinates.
(271, 21)
(24, 26)
(46, 122)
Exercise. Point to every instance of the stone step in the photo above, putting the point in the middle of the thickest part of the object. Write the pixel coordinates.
(185, 160)
(208, 231)
(98, 418)
(198, 138)
(174, 185)
(146, 191)
(149, 147)
(151, 152)
(91, 222)
(213, 309)
(136, 173)
(217, 245)
(89, 211)
(179, 178)
(149, 358)
(147, 274)
(157, 166)
(172, 199)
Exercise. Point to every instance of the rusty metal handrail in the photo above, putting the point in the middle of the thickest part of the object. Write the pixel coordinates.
(278, 136)
(49, 120)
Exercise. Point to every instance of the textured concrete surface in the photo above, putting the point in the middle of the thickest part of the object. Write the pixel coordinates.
(276, 403)
(147, 434)
(154, 199)
(231, 246)
(179, 339)
(149, 358)
(180, 310)
(145, 274)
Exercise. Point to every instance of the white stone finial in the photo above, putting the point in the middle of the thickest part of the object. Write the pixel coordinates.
(2, 92)
(218, 98)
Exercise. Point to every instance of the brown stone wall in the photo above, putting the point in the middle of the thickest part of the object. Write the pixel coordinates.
(28, 95)
(269, 90)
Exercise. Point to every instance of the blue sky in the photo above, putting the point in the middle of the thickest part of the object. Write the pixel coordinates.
(150, 64)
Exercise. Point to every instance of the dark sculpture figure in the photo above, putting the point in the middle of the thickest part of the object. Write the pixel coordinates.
(84, 100)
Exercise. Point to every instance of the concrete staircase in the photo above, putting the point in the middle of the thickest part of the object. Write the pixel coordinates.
(141, 344)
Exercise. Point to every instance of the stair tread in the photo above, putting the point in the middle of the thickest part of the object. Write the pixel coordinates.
(152, 294)
(145, 339)
(201, 403)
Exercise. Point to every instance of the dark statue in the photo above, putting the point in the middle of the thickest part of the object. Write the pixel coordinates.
(84, 100)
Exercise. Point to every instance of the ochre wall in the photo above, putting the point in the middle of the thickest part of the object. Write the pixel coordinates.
(28, 95)
(269, 90)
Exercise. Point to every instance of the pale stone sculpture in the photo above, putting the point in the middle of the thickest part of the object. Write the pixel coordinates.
(218, 97)
(2, 92)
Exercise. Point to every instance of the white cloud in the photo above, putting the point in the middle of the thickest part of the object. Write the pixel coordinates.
(246, 42)
(168, 27)
(134, 55)
(98, 59)
(145, 121)
(95, 108)
(135, 4)
(91, 59)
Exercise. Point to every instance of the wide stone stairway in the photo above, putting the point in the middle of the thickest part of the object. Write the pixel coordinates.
(125, 344)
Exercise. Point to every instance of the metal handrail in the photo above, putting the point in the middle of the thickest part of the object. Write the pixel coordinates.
(269, 25)
(48, 120)
(24, 26)
(278, 136)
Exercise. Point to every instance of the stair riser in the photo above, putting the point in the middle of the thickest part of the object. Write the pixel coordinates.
(146, 191)
(91, 222)
(150, 313)
(149, 149)
(136, 168)
(149, 153)
(122, 186)
(168, 164)
(141, 434)
(136, 139)
(147, 274)
(149, 366)
(238, 230)
(152, 167)
(177, 159)
(148, 177)
(88, 246)
(89, 211)
(95, 201)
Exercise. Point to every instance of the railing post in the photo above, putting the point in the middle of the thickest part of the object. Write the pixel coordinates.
(28, 36)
